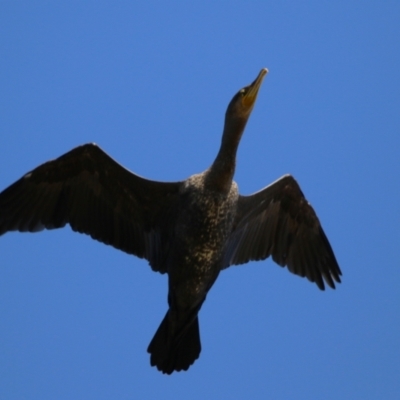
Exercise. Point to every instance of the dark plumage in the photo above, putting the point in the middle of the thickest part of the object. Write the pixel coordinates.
(190, 230)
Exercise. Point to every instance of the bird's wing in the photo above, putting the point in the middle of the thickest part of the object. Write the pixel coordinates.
(279, 221)
(95, 195)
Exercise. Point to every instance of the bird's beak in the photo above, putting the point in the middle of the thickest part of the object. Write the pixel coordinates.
(251, 95)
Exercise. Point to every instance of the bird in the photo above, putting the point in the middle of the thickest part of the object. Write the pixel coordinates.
(190, 230)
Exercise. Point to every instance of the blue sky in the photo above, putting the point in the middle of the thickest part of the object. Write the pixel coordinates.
(150, 84)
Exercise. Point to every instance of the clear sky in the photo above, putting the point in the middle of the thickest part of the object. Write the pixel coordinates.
(150, 84)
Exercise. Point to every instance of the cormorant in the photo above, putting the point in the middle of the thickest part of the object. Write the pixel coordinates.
(190, 230)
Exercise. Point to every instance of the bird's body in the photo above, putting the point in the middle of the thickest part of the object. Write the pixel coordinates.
(191, 230)
(193, 264)
(201, 230)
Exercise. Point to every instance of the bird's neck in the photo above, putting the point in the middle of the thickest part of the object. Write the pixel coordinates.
(220, 174)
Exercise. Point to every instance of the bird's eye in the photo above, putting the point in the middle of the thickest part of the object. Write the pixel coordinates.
(243, 92)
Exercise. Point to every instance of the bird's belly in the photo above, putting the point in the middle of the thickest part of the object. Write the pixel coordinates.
(193, 273)
(199, 245)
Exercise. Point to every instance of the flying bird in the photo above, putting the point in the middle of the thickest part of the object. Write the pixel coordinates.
(190, 230)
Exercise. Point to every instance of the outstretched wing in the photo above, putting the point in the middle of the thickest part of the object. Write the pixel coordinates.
(95, 195)
(278, 221)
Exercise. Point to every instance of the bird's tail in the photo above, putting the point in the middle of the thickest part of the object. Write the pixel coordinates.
(175, 349)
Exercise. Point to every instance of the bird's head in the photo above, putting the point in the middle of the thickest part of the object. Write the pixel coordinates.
(243, 102)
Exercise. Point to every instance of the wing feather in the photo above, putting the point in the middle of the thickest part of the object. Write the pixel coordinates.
(95, 195)
(279, 222)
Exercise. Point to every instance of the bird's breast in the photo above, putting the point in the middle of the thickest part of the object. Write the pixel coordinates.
(205, 223)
